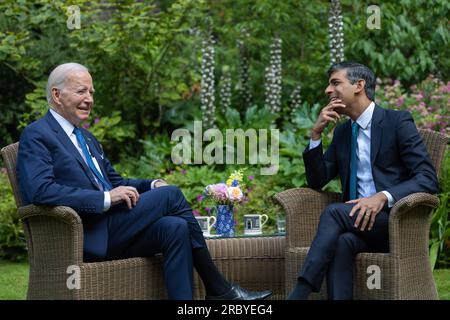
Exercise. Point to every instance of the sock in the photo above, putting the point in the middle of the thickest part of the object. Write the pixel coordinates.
(301, 291)
(214, 282)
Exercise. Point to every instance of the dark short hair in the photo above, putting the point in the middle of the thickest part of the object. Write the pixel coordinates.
(355, 72)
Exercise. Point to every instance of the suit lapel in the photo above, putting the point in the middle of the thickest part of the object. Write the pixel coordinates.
(376, 132)
(67, 143)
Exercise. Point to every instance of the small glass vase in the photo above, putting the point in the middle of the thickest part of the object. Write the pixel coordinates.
(225, 221)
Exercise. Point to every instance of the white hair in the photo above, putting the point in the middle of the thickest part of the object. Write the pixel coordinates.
(59, 76)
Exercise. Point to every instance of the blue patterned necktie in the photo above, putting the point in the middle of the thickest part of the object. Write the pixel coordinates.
(105, 184)
(353, 183)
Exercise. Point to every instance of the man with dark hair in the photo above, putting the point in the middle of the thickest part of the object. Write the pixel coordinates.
(61, 163)
(379, 157)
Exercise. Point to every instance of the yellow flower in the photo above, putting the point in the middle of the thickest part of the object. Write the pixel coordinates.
(236, 175)
(229, 182)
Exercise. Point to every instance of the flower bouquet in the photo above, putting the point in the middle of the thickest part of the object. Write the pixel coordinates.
(225, 195)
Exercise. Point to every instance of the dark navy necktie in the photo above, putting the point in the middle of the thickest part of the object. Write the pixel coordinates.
(105, 184)
(353, 182)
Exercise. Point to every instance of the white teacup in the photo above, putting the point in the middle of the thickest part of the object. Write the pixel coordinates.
(206, 223)
(253, 223)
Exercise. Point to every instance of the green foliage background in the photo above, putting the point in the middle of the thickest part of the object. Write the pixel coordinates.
(145, 59)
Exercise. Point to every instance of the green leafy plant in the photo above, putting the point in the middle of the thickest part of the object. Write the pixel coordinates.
(12, 240)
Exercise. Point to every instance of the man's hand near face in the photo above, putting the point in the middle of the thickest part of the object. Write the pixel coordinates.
(327, 115)
(368, 209)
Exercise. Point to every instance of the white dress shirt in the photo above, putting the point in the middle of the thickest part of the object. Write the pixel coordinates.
(366, 185)
(68, 129)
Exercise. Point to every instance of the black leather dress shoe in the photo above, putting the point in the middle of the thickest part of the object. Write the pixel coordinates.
(238, 293)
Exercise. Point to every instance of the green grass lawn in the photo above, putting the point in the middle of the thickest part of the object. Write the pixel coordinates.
(13, 280)
(442, 278)
(14, 277)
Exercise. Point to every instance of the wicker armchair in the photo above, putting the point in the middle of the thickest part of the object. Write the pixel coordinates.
(405, 270)
(54, 237)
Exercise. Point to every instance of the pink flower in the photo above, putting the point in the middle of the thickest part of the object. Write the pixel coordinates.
(96, 120)
(419, 96)
(218, 191)
(195, 212)
(86, 125)
(251, 178)
(183, 171)
(208, 210)
(199, 198)
(400, 101)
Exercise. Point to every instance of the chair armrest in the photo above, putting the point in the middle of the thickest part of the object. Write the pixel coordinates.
(303, 207)
(54, 235)
(65, 214)
(409, 225)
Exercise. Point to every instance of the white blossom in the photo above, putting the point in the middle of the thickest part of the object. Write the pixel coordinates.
(207, 93)
(225, 91)
(336, 32)
(244, 76)
(273, 77)
(295, 101)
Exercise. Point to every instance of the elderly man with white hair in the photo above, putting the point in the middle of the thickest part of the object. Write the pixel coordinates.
(61, 163)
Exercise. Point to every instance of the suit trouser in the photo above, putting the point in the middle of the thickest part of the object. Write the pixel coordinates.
(335, 246)
(161, 222)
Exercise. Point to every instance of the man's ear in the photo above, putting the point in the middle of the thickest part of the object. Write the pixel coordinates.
(56, 94)
(360, 84)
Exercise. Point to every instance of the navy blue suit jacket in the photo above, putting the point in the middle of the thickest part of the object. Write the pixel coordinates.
(399, 158)
(51, 171)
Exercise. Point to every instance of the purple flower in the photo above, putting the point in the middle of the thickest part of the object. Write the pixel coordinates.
(447, 88)
(419, 96)
(208, 210)
(400, 101)
(183, 171)
(96, 120)
(199, 198)
(86, 125)
(251, 178)
(217, 191)
(195, 212)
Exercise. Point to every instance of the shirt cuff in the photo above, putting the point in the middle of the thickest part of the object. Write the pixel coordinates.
(106, 201)
(314, 143)
(391, 200)
(152, 185)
